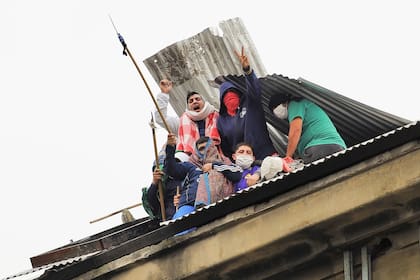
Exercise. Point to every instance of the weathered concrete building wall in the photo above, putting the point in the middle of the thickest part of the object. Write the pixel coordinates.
(190, 63)
(302, 234)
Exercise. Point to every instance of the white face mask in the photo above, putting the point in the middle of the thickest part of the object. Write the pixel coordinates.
(281, 111)
(244, 161)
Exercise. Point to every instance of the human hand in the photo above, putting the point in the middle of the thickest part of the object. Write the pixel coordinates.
(243, 59)
(286, 164)
(252, 179)
(207, 167)
(165, 86)
(157, 176)
(171, 139)
(288, 159)
(176, 199)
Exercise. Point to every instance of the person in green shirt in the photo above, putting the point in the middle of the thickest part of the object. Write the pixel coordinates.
(311, 134)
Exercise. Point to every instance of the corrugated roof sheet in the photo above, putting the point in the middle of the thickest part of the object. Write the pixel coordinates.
(35, 273)
(325, 166)
(193, 62)
(190, 63)
(355, 121)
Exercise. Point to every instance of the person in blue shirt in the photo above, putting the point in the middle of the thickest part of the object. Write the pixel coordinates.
(312, 135)
(241, 115)
(206, 157)
(150, 195)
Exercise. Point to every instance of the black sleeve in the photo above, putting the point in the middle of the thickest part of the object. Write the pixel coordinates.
(173, 168)
(232, 172)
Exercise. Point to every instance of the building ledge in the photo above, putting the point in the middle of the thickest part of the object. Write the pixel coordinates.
(266, 239)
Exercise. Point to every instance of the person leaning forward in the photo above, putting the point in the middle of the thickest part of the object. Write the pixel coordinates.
(312, 134)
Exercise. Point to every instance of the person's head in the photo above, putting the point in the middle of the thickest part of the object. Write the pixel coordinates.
(202, 143)
(206, 152)
(194, 101)
(244, 155)
(230, 98)
(278, 105)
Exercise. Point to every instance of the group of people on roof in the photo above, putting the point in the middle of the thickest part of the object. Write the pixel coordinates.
(212, 153)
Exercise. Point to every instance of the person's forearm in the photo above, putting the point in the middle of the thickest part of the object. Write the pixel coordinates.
(162, 100)
(295, 131)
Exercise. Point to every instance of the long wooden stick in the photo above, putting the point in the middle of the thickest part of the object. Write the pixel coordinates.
(177, 193)
(127, 51)
(150, 92)
(114, 213)
(160, 187)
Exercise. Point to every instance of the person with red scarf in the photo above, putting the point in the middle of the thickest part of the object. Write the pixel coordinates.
(241, 115)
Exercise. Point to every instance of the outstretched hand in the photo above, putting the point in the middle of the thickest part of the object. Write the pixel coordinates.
(243, 58)
(165, 86)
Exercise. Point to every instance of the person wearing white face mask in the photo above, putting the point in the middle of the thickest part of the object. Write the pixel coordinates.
(244, 157)
(311, 134)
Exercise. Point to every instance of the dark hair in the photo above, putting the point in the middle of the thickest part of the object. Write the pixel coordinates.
(219, 80)
(202, 139)
(278, 99)
(281, 98)
(191, 93)
(243, 144)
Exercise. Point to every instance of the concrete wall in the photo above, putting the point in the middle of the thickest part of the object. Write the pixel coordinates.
(301, 234)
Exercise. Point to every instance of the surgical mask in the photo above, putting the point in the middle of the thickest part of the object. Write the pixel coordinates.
(281, 111)
(244, 161)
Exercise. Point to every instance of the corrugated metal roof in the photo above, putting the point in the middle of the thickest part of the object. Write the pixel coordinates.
(355, 121)
(345, 158)
(190, 63)
(35, 273)
(98, 242)
(193, 62)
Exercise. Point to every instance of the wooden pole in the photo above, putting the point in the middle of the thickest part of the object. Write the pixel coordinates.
(160, 187)
(177, 193)
(150, 92)
(127, 51)
(114, 213)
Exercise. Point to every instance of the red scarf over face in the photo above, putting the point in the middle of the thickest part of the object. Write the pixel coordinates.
(231, 101)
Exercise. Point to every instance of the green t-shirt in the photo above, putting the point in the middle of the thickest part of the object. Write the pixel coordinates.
(317, 127)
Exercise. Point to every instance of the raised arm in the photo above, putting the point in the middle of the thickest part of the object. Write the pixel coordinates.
(252, 82)
(162, 99)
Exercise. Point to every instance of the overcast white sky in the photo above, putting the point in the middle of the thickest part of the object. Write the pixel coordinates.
(75, 143)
